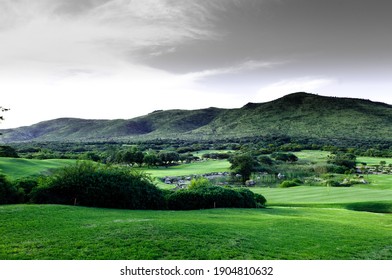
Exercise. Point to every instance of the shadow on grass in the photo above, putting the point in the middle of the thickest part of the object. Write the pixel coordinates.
(375, 207)
(368, 206)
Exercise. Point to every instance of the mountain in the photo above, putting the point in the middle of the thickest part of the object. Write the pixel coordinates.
(297, 115)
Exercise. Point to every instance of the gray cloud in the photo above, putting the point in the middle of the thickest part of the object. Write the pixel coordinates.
(247, 48)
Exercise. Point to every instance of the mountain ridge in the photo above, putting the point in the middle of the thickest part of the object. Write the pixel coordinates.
(298, 114)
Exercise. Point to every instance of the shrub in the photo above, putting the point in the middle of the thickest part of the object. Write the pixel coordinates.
(345, 161)
(332, 183)
(213, 197)
(24, 186)
(290, 183)
(95, 185)
(8, 193)
(7, 151)
(260, 200)
(199, 183)
(289, 157)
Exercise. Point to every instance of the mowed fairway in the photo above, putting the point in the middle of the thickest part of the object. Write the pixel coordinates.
(375, 197)
(326, 195)
(196, 168)
(66, 232)
(16, 168)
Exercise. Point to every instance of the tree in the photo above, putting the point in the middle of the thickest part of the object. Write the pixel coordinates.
(151, 159)
(168, 157)
(7, 151)
(289, 157)
(8, 193)
(243, 164)
(345, 160)
(133, 155)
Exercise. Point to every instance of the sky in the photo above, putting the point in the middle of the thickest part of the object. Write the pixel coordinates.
(111, 59)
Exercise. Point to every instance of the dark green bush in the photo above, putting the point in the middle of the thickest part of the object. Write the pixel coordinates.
(260, 200)
(213, 197)
(94, 185)
(290, 183)
(8, 193)
(7, 151)
(24, 187)
(332, 183)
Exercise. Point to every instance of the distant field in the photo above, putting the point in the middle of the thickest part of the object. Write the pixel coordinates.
(203, 152)
(380, 190)
(16, 168)
(313, 156)
(196, 168)
(325, 195)
(322, 156)
(68, 232)
(374, 160)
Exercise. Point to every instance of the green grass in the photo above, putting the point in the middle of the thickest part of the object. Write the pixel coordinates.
(374, 160)
(322, 157)
(313, 156)
(203, 152)
(196, 168)
(16, 168)
(66, 232)
(327, 195)
(380, 189)
(379, 181)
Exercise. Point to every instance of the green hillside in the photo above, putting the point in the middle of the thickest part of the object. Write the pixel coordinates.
(295, 115)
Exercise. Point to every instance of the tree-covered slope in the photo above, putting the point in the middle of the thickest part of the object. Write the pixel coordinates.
(307, 115)
(296, 115)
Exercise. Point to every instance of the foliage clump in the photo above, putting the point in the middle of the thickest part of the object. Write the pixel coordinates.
(286, 157)
(199, 183)
(9, 194)
(213, 197)
(344, 161)
(243, 164)
(8, 151)
(94, 185)
(290, 183)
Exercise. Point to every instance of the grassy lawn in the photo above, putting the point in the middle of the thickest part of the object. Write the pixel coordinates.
(379, 192)
(374, 160)
(196, 168)
(313, 156)
(16, 168)
(66, 232)
(203, 152)
(327, 195)
(322, 156)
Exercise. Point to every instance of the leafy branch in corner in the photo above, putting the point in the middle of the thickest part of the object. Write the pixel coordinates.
(3, 110)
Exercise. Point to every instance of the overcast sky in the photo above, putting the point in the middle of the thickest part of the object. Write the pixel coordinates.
(110, 59)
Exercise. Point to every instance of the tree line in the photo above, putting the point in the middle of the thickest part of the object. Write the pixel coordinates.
(101, 151)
